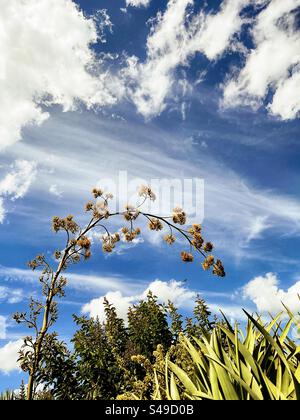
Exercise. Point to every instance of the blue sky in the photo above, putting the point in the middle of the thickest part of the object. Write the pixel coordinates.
(168, 89)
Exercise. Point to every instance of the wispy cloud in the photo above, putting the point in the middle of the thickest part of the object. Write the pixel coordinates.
(11, 296)
(86, 282)
(2, 327)
(257, 228)
(247, 211)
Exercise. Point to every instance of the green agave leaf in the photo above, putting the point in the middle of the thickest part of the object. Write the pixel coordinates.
(204, 396)
(275, 345)
(173, 389)
(214, 383)
(183, 377)
(167, 378)
(195, 354)
(224, 380)
(286, 381)
(244, 352)
(239, 380)
(286, 331)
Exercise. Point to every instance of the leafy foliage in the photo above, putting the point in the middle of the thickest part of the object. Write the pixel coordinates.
(110, 360)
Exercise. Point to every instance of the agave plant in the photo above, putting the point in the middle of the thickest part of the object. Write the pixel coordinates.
(263, 364)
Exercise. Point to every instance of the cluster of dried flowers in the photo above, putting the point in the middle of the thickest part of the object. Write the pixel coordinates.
(99, 209)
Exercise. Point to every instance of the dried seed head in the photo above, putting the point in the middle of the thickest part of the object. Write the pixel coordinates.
(146, 192)
(208, 247)
(97, 192)
(170, 239)
(155, 224)
(187, 257)
(179, 216)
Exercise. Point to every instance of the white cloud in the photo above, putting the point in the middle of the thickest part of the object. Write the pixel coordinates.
(2, 210)
(267, 295)
(95, 307)
(2, 327)
(11, 295)
(257, 227)
(286, 101)
(175, 291)
(273, 63)
(55, 190)
(46, 60)
(232, 312)
(82, 282)
(16, 183)
(9, 356)
(137, 3)
(174, 40)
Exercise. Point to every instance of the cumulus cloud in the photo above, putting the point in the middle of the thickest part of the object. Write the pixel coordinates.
(2, 327)
(272, 66)
(267, 295)
(173, 290)
(165, 291)
(232, 312)
(176, 36)
(137, 3)
(46, 59)
(9, 356)
(16, 183)
(122, 303)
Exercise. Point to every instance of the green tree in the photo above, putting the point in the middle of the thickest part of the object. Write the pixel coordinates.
(115, 329)
(202, 320)
(97, 368)
(22, 392)
(148, 327)
(176, 326)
